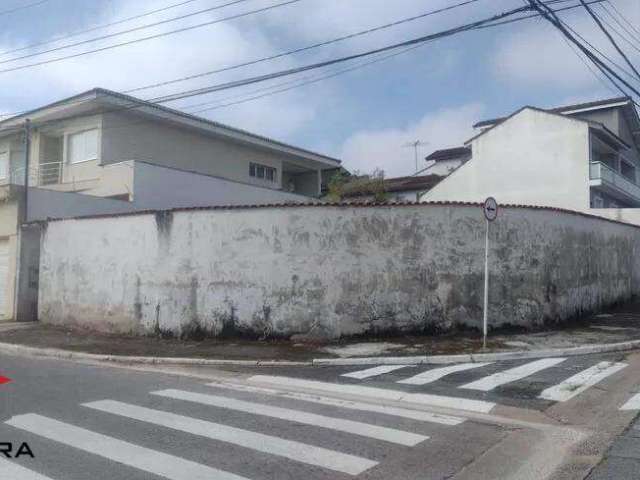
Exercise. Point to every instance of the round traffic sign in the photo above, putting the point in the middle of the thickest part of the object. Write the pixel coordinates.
(490, 209)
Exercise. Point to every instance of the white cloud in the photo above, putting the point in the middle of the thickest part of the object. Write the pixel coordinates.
(539, 56)
(366, 151)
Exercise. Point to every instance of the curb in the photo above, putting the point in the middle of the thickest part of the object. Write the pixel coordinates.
(60, 354)
(483, 357)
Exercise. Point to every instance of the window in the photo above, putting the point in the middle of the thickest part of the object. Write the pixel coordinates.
(4, 165)
(262, 172)
(83, 146)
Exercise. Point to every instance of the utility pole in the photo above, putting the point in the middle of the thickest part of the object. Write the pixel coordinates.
(416, 144)
(27, 157)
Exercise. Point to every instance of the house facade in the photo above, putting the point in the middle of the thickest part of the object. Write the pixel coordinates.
(582, 157)
(102, 152)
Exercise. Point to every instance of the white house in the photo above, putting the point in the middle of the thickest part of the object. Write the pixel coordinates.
(582, 157)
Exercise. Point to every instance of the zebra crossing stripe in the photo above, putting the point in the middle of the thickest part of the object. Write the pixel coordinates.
(151, 461)
(632, 404)
(373, 372)
(577, 384)
(490, 382)
(378, 393)
(437, 373)
(347, 404)
(321, 457)
(357, 428)
(13, 471)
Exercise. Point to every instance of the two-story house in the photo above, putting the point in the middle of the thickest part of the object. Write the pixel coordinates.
(105, 152)
(583, 157)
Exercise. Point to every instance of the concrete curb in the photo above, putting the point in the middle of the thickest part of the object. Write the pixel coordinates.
(483, 357)
(60, 354)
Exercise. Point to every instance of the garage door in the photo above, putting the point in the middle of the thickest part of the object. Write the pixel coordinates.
(4, 275)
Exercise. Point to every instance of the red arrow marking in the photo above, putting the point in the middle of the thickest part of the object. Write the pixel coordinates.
(4, 380)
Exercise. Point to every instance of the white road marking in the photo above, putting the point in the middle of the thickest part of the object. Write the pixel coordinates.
(513, 374)
(374, 372)
(378, 393)
(357, 428)
(297, 451)
(581, 381)
(157, 463)
(13, 471)
(350, 405)
(437, 373)
(632, 404)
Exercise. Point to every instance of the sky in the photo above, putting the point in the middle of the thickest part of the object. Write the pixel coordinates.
(365, 117)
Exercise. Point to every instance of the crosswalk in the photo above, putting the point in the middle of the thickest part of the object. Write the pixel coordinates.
(336, 416)
(76, 434)
(564, 390)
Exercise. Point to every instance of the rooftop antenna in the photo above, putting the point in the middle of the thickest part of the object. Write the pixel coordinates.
(416, 145)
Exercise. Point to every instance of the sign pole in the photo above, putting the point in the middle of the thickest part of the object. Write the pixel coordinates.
(490, 209)
(486, 286)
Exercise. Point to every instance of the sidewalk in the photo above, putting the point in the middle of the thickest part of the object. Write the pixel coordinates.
(620, 324)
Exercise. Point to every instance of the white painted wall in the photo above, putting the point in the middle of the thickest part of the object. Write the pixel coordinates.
(331, 270)
(534, 158)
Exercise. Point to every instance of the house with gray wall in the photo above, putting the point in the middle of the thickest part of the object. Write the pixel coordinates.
(102, 152)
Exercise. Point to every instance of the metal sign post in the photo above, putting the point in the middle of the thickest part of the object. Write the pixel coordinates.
(490, 209)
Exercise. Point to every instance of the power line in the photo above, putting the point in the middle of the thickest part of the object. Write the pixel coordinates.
(22, 7)
(151, 37)
(601, 53)
(97, 27)
(135, 103)
(550, 15)
(624, 19)
(124, 32)
(490, 23)
(294, 84)
(302, 49)
(291, 71)
(617, 32)
(611, 39)
(635, 36)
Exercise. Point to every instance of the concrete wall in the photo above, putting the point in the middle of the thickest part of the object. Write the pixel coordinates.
(158, 187)
(129, 137)
(9, 232)
(534, 158)
(330, 270)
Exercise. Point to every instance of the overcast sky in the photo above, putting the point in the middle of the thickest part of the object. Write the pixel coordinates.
(433, 93)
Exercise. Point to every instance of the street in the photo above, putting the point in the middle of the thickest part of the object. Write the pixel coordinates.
(406, 422)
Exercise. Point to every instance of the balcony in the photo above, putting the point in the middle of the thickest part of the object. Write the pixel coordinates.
(613, 182)
(39, 175)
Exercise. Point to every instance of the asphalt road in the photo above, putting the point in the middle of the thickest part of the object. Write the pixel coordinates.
(420, 422)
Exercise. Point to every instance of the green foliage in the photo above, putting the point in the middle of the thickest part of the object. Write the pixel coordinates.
(343, 185)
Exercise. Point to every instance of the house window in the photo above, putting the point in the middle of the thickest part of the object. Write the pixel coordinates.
(83, 146)
(262, 172)
(4, 165)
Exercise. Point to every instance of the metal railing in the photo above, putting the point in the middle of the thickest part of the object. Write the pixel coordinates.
(42, 174)
(613, 178)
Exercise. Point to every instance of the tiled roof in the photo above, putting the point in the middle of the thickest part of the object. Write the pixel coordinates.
(449, 153)
(566, 108)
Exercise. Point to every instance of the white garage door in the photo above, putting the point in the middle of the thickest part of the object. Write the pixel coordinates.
(4, 275)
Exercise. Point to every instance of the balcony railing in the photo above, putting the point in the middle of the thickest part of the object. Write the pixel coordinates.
(613, 179)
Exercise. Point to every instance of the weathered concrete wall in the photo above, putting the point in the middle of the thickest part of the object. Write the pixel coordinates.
(330, 270)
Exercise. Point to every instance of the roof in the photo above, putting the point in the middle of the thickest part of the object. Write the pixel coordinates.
(449, 154)
(568, 109)
(125, 102)
(399, 184)
(603, 130)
